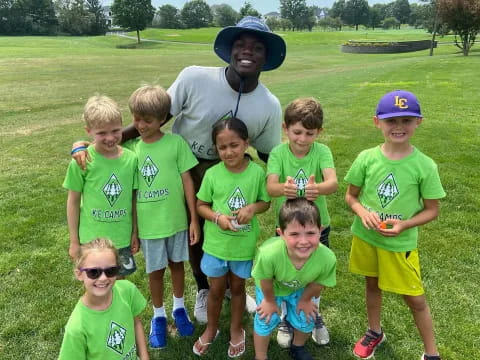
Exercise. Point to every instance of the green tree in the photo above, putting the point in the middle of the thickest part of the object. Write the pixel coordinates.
(99, 26)
(375, 16)
(196, 14)
(273, 23)
(248, 10)
(356, 13)
(391, 23)
(169, 17)
(135, 15)
(401, 10)
(338, 11)
(27, 17)
(225, 15)
(74, 18)
(463, 17)
(296, 11)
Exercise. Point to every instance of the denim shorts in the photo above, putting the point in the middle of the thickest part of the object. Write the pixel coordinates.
(298, 321)
(158, 252)
(215, 267)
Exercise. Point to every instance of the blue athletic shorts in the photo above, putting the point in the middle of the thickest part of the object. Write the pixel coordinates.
(298, 321)
(215, 267)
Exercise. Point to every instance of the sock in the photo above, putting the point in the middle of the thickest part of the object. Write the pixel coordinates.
(316, 300)
(159, 312)
(283, 307)
(178, 303)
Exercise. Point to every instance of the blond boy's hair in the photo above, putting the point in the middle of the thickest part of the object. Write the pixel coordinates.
(98, 244)
(150, 100)
(101, 110)
(308, 111)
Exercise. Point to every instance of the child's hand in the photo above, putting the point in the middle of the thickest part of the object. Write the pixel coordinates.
(390, 227)
(308, 307)
(134, 243)
(194, 232)
(266, 309)
(225, 222)
(290, 188)
(311, 190)
(245, 214)
(74, 250)
(370, 220)
(82, 156)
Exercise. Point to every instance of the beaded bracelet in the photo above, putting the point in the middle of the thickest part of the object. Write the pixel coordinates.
(217, 216)
(77, 149)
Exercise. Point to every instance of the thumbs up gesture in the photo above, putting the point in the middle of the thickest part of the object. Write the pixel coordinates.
(311, 189)
(290, 188)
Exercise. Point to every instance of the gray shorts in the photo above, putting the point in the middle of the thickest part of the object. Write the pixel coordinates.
(158, 252)
(126, 261)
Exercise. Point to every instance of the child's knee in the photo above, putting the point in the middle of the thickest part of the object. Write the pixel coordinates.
(416, 303)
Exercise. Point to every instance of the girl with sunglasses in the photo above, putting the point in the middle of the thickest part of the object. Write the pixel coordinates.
(105, 323)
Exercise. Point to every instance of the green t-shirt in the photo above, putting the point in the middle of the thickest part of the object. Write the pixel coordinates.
(227, 192)
(104, 335)
(272, 262)
(283, 163)
(394, 189)
(107, 190)
(161, 209)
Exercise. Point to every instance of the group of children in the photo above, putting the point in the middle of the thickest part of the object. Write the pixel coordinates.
(141, 195)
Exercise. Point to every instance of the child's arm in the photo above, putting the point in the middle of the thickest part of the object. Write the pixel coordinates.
(73, 219)
(142, 351)
(81, 156)
(305, 302)
(134, 244)
(188, 188)
(245, 214)
(268, 306)
(370, 220)
(223, 221)
(328, 186)
(431, 208)
(276, 189)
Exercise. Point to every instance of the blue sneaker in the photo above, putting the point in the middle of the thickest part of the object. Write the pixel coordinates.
(182, 322)
(158, 332)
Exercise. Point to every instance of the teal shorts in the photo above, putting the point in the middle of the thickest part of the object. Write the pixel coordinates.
(215, 267)
(298, 321)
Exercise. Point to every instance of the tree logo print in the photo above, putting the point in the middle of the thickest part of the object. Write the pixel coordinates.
(149, 170)
(116, 337)
(301, 181)
(112, 190)
(236, 200)
(387, 190)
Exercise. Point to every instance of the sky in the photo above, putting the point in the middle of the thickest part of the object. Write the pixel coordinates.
(263, 6)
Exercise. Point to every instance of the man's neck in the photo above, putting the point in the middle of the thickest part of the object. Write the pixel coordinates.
(250, 83)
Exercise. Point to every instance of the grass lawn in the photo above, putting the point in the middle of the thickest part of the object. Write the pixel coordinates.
(45, 81)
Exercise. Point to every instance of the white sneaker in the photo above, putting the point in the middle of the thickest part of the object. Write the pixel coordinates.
(320, 332)
(200, 310)
(250, 304)
(284, 335)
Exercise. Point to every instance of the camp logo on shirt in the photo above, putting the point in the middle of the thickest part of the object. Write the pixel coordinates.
(387, 190)
(116, 337)
(112, 190)
(149, 170)
(235, 202)
(301, 181)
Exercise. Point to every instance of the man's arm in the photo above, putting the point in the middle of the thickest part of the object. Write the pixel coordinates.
(263, 156)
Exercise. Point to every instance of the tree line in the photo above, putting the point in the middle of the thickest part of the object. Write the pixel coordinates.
(87, 17)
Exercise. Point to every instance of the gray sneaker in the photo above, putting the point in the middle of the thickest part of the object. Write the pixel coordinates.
(284, 334)
(200, 310)
(320, 332)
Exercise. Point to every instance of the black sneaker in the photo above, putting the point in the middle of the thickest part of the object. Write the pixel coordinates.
(299, 353)
(430, 357)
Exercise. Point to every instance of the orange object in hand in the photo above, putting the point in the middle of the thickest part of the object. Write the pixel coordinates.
(384, 225)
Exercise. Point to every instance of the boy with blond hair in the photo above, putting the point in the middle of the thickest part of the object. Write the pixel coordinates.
(101, 198)
(165, 191)
(303, 167)
(392, 189)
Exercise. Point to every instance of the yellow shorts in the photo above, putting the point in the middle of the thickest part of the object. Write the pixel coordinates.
(397, 272)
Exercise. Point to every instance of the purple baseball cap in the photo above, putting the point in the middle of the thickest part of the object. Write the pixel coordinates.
(398, 103)
(276, 48)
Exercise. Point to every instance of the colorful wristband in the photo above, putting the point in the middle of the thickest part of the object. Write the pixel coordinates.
(217, 215)
(77, 149)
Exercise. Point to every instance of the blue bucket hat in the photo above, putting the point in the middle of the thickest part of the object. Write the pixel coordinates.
(276, 48)
(398, 103)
